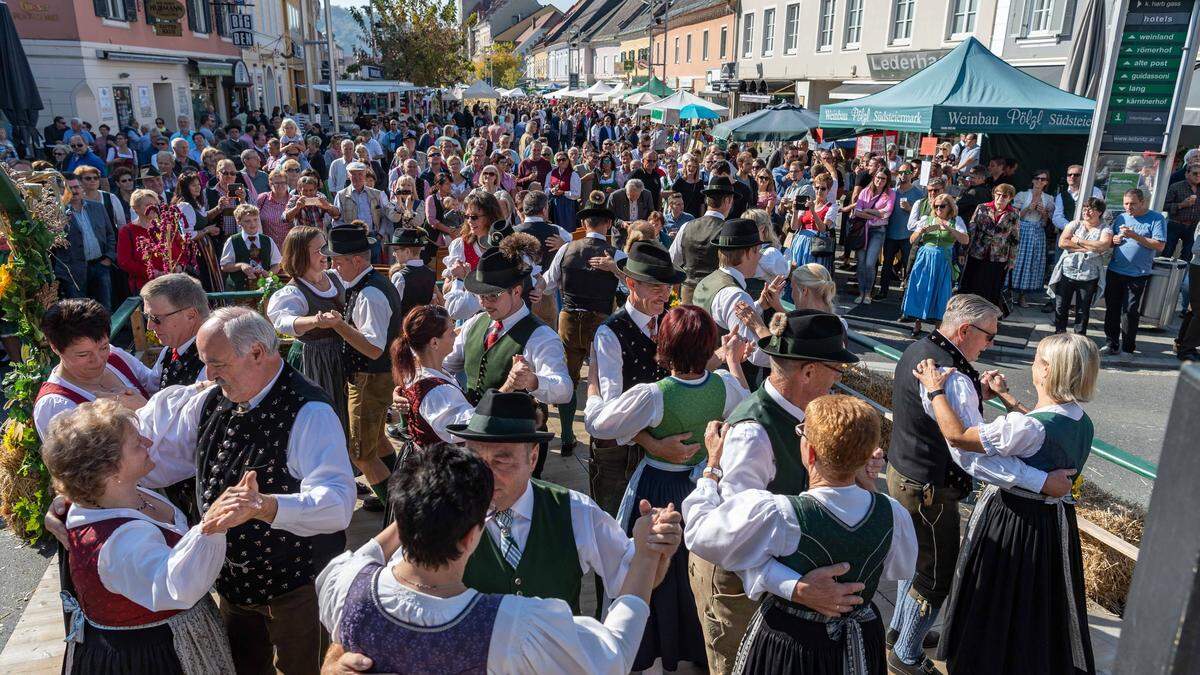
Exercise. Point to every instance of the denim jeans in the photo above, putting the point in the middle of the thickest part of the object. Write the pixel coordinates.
(868, 260)
(97, 285)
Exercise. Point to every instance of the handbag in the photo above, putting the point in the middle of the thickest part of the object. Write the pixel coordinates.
(821, 244)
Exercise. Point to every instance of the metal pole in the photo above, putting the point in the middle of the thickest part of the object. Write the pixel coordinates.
(309, 76)
(1088, 180)
(333, 100)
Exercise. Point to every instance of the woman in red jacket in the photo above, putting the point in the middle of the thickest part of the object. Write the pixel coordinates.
(141, 245)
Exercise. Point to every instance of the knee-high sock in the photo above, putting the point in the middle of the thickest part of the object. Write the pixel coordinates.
(917, 616)
(380, 490)
(901, 597)
(566, 418)
(389, 460)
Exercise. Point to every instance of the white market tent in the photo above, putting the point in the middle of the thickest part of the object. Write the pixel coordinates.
(614, 94)
(558, 93)
(640, 98)
(515, 92)
(667, 109)
(479, 89)
(369, 87)
(598, 90)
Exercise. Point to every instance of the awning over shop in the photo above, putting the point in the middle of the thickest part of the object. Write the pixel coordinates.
(969, 89)
(854, 90)
(368, 87)
(214, 68)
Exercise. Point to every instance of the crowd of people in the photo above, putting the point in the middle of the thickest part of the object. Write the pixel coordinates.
(447, 280)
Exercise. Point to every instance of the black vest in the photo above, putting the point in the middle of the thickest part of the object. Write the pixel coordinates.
(354, 360)
(541, 230)
(317, 304)
(261, 562)
(183, 370)
(419, 282)
(918, 449)
(637, 351)
(1068, 203)
(699, 259)
(583, 286)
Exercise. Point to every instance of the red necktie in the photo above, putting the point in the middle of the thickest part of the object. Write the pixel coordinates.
(493, 335)
(174, 354)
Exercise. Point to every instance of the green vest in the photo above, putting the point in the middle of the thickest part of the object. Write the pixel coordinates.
(1067, 443)
(236, 281)
(549, 566)
(707, 289)
(689, 407)
(825, 540)
(791, 478)
(488, 368)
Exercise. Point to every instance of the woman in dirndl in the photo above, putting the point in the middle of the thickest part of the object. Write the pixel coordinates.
(142, 576)
(682, 403)
(1035, 208)
(1018, 604)
(305, 308)
(931, 281)
(431, 397)
(815, 222)
(563, 187)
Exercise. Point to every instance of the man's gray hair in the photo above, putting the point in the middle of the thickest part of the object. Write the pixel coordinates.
(179, 290)
(1191, 157)
(244, 328)
(534, 203)
(248, 153)
(635, 183)
(967, 308)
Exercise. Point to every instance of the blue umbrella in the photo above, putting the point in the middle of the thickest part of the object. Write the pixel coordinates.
(692, 111)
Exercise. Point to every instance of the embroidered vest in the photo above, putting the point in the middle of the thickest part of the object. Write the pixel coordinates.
(418, 429)
(261, 562)
(689, 407)
(828, 541)
(583, 286)
(1067, 443)
(99, 604)
(183, 370)
(637, 351)
(236, 281)
(460, 645)
(419, 284)
(318, 304)
(549, 566)
(354, 360)
(488, 368)
(708, 287)
(791, 477)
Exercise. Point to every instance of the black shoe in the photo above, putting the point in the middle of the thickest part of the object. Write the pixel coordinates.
(1048, 307)
(922, 667)
(930, 641)
(361, 490)
(394, 432)
(915, 332)
(1189, 355)
(881, 295)
(567, 449)
(372, 504)
(1110, 351)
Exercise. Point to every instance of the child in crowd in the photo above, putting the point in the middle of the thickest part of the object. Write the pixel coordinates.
(248, 255)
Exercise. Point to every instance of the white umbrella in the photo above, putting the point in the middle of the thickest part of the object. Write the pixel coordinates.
(480, 89)
(643, 98)
(667, 109)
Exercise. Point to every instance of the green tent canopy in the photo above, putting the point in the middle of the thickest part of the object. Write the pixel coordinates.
(969, 89)
(654, 87)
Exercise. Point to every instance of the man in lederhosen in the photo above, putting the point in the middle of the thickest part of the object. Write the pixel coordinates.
(585, 270)
(690, 249)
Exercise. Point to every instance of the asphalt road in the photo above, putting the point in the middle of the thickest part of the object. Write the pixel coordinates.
(21, 567)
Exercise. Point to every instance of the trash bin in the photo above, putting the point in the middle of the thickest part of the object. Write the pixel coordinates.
(1162, 293)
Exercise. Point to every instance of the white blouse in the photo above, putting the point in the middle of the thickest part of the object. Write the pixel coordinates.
(136, 561)
(750, 529)
(641, 407)
(444, 405)
(288, 304)
(48, 407)
(772, 264)
(530, 635)
(1020, 435)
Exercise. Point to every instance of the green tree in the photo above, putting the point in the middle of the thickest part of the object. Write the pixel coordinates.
(501, 64)
(419, 41)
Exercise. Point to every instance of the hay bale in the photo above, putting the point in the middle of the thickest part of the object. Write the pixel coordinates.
(1108, 574)
(875, 386)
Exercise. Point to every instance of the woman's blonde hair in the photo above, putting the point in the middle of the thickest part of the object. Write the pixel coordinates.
(139, 195)
(84, 446)
(1072, 364)
(947, 199)
(816, 278)
(763, 220)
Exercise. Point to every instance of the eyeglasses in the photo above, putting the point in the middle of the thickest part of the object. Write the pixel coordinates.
(939, 207)
(490, 297)
(1041, 178)
(840, 370)
(89, 177)
(228, 173)
(292, 170)
(474, 216)
(1074, 175)
(157, 320)
(991, 337)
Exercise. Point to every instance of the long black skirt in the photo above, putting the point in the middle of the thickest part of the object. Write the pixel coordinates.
(1013, 608)
(985, 278)
(785, 643)
(673, 629)
(126, 652)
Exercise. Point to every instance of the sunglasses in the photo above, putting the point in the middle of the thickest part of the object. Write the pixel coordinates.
(1041, 178)
(991, 337)
(474, 216)
(292, 170)
(1074, 175)
(158, 320)
(939, 207)
(125, 180)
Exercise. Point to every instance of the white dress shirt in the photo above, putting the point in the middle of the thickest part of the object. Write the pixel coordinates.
(772, 264)
(443, 405)
(724, 304)
(338, 176)
(544, 352)
(50, 405)
(288, 304)
(371, 312)
(136, 561)
(228, 257)
(677, 243)
(553, 275)
(748, 459)
(530, 635)
(156, 371)
(746, 532)
(316, 455)
(994, 469)
(1060, 216)
(606, 350)
(642, 407)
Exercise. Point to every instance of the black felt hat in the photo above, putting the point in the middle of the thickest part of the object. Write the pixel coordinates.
(596, 208)
(737, 233)
(649, 262)
(719, 185)
(495, 273)
(503, 418)
(809, 335)
(498, 231)
(408, 237)
(347, 240)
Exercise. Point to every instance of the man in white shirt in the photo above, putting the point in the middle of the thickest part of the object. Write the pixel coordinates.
(1065, 201)
(337, 168)
(967, 153)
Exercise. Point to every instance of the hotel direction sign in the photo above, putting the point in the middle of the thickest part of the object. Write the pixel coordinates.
(1148, 75)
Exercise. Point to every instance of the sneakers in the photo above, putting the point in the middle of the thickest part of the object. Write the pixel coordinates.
(394, 432)
(1110, 350)
(930, 641)
(922, 667)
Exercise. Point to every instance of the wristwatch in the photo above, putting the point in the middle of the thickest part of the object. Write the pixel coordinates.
(935, 393)
(713, 472)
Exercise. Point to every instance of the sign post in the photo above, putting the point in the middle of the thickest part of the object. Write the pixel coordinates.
(1142, 93)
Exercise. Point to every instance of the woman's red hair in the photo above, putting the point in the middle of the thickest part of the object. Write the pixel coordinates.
(687, 338)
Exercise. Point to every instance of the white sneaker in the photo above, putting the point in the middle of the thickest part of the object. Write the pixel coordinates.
(866, 299)
(858, 300)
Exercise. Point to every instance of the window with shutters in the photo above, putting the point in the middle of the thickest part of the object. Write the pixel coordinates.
(117, 10)
(199, 16)
(221, 12)
(854, 17)
(791, 28)
(1047, 19)
(768, 37)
